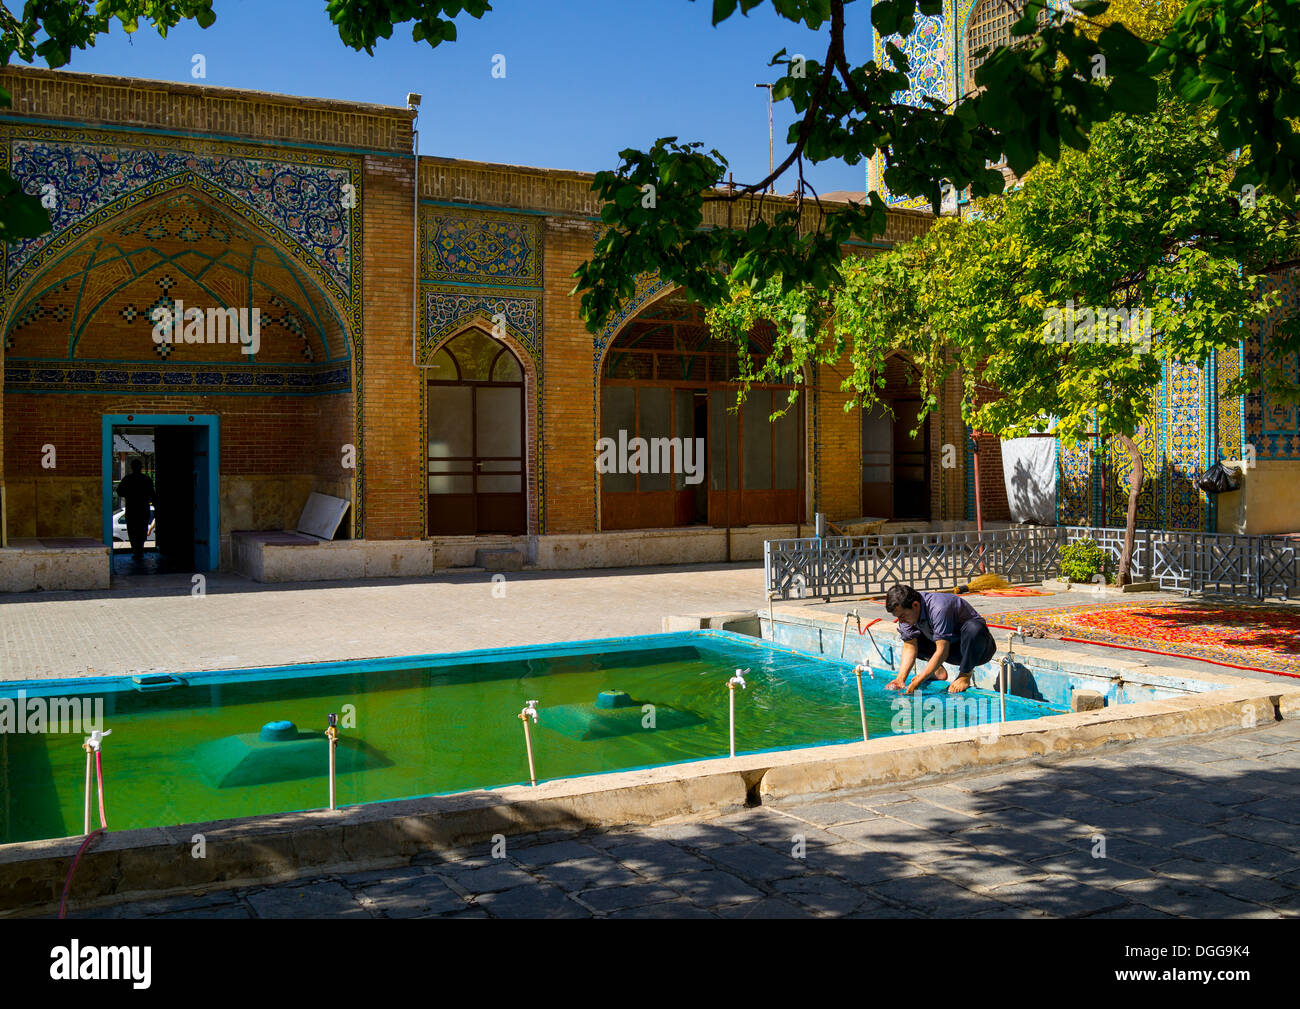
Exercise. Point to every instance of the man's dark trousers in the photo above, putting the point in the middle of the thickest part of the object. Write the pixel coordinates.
(137, 530)
(974, 646)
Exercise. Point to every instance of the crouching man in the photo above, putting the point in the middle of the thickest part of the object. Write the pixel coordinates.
(939, 627)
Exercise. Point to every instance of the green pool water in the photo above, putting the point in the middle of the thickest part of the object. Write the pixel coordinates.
(435, 724)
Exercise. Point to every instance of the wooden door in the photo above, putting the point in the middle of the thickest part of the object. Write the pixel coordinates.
(476, 459)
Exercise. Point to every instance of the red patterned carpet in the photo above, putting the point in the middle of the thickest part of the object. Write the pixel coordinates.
(1236, 634)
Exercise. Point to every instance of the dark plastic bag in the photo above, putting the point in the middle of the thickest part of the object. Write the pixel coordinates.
(1219, 479)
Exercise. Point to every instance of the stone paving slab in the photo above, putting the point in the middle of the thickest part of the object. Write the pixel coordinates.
(1224, 858)
(411, 898)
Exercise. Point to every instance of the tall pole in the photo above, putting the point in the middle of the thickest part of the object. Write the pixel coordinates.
(979, 510)
(771, 160)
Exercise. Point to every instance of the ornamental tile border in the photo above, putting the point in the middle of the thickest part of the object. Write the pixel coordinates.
(295, 196)
(450, 309)
(480, 248)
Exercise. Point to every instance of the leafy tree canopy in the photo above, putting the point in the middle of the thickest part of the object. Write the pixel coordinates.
(1035, 98)
(1062, 302)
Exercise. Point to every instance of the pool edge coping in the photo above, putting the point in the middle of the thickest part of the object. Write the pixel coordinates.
(156, 862)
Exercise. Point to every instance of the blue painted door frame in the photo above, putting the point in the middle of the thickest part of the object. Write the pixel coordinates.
(207, 442)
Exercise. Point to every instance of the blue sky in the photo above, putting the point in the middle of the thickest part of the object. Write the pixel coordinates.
(584, 78)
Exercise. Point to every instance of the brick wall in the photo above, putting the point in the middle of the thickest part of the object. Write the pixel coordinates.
(993, 488)
(568, 426)
(200, 108)
(268, 462)
(392, 449)
(276, 449)
(948, 444)
(839, 448)
(335, 427)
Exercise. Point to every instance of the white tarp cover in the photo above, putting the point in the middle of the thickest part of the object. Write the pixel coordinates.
(1029, 469)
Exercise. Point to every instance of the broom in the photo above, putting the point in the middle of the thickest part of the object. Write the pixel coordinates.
(981, 582)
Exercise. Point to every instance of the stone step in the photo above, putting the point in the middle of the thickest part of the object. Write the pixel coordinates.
(503, 559)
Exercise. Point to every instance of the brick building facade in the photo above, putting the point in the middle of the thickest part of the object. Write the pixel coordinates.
(379, 310)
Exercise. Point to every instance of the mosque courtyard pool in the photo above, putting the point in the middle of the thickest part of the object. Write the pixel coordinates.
(198, 747)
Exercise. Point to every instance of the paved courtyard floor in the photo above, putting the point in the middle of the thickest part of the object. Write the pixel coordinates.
(1204, 828)
(156, 623)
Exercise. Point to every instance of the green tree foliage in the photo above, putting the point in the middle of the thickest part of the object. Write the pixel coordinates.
(1082, 560)
(362, 23)
(1040, 96)
(1035, 99)
(50, 30)
(1148, 219)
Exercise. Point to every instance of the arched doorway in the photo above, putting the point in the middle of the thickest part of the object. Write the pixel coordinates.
(896, 462)
(183, 335)
(673, 452)
(476, 439)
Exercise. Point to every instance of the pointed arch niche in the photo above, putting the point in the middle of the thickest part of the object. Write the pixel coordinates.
(666, 382)
(477, 438)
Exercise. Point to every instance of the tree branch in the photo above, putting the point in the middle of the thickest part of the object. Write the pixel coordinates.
(805, 127)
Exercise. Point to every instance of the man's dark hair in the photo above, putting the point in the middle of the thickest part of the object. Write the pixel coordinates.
(901, 595)
(136, 465)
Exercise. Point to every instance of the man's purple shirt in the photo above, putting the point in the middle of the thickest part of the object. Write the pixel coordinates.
(942, 615)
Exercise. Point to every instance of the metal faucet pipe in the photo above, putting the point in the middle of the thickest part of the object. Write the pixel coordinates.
(92, 746)
(1008, 661)
(332, 734)
(736, 681)
(530, 711)
(862, 701)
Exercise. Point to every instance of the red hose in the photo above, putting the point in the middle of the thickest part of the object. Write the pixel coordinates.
(1171, 655)
(99, 778)
(67, 883)
(90, 838)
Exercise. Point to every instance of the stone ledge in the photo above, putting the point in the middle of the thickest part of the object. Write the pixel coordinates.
(933, 754)
(291, 557)
(279, 556)
(741, 622)
(240, 852)
(1056, 585)
(54, 565)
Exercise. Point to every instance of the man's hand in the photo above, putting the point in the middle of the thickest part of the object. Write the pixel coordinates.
(904, 667)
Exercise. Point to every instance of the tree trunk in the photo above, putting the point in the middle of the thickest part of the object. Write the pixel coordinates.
(1123, 575)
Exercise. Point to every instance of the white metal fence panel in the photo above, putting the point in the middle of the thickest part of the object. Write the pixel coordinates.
(1259, 567)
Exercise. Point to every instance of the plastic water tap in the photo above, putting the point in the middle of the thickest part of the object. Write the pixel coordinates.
(530, 711)
(96, 739)
(738, 680)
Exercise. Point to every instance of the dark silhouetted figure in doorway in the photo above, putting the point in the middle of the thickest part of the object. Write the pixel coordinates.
(137, 491)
